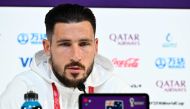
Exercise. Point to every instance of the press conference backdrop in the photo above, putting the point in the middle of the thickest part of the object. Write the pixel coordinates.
(149, 48)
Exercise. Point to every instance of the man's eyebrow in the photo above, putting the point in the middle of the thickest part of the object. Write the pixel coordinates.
(68, 40)
(63, 40)
(86, 40)
(81, 40)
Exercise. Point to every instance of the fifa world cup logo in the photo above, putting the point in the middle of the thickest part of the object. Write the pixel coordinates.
(132, 102)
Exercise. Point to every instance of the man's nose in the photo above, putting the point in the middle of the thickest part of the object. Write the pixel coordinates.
(76, 53)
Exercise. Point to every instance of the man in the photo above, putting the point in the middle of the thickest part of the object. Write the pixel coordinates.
(68, 61)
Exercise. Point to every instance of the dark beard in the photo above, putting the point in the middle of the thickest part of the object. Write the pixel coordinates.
(67, 82)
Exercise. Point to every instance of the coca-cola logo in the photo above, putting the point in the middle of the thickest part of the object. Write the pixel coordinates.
(172, 85)
(126, 63)
(125, 38)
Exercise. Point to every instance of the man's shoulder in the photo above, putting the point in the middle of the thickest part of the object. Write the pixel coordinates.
(25, 76)
(22, 81)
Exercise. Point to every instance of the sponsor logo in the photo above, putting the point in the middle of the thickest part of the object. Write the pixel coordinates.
(170, 62)
(134, 102)
(30, 38)
(169, 42)
(125, 39)
(171, 85)
(167, 103)
(127, 63)
(136, 85)
(25, 61)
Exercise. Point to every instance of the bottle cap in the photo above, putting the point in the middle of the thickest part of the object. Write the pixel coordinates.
(31, 95)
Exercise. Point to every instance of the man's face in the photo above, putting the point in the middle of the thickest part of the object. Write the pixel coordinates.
(72, 51)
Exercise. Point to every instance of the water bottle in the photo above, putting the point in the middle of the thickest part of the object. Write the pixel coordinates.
(31, 101)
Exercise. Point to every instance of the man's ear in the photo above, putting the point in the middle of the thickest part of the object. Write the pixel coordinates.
(96, 45)
(46, 45)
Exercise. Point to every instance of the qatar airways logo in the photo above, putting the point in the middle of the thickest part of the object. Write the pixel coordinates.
(126, 63)
(172, 85)
(125, 39)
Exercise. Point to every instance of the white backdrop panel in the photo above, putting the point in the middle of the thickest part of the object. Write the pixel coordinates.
(149, 48)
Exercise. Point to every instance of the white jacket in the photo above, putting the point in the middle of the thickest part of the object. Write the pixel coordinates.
(40, 79)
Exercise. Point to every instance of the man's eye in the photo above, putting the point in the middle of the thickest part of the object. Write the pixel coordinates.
(84, 43)
(65, 44)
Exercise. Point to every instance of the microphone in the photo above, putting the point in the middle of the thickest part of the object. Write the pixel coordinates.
(81, 87)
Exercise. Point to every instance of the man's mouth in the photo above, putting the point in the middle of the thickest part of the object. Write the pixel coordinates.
(74, 69)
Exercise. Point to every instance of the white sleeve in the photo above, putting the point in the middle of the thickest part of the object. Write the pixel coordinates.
(13, 96)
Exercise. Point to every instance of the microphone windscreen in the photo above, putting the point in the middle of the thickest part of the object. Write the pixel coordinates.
(81, 86)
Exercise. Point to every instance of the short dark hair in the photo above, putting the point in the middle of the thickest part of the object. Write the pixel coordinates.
(68, 13)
